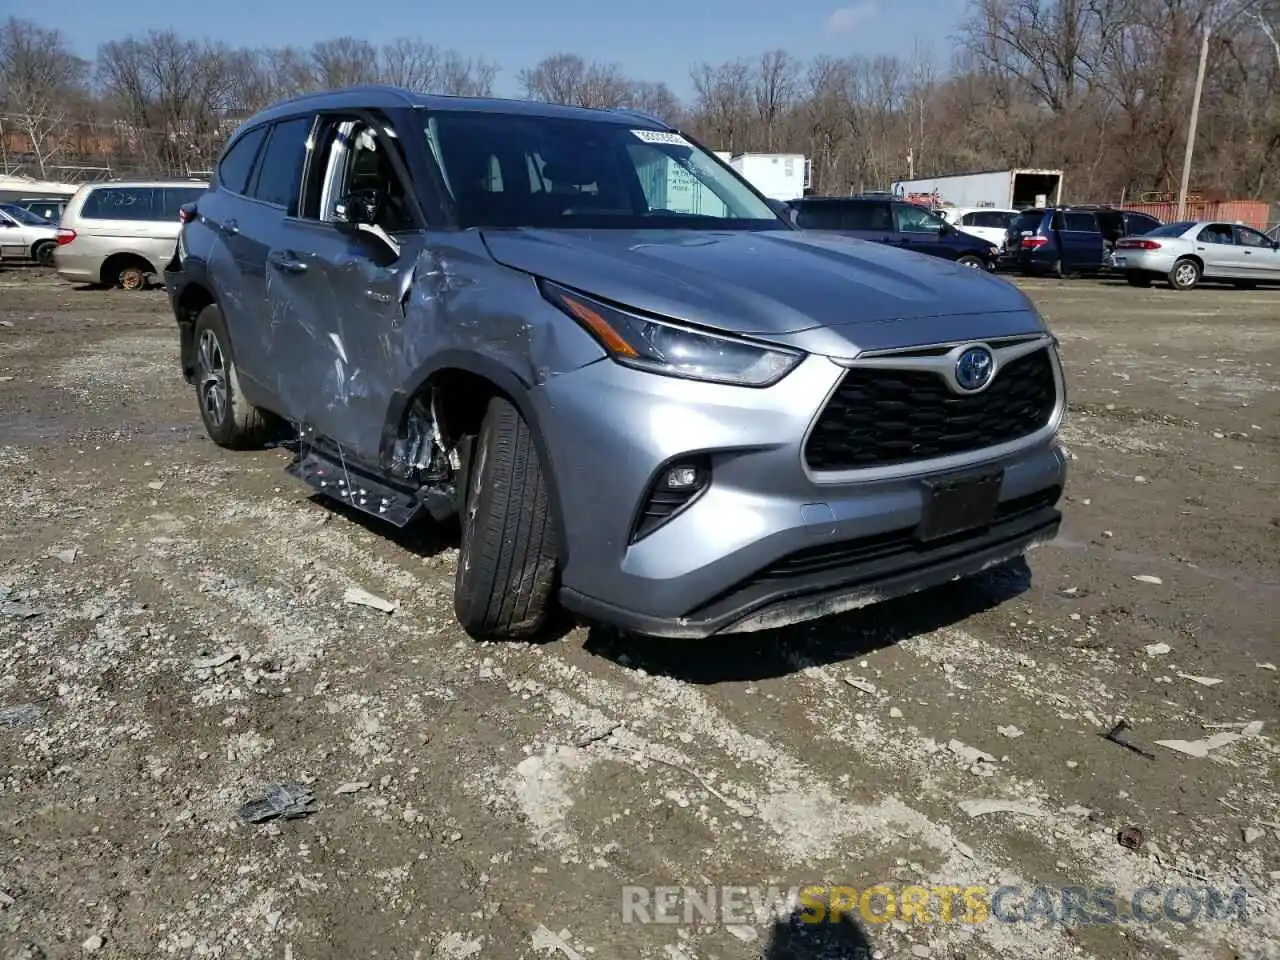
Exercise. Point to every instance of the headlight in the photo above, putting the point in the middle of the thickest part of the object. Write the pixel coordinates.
(660, 346)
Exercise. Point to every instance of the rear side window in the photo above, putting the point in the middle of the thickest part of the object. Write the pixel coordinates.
(1027, 222)
(122, 203)
(868, 216)
(818, 216)
(280, 169)
(171, 198)
(988, 218)
(1082, 222)
(1139, 224)
(234, 170)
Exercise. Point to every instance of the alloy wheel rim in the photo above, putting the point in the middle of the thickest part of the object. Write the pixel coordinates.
(212, 377)
(1186, 274)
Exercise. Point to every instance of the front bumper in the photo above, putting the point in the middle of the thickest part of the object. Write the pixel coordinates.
(745, 554)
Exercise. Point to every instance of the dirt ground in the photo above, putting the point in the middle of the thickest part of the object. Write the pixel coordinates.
(174, 638)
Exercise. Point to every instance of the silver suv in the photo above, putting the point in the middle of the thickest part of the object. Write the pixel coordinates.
(646, 396)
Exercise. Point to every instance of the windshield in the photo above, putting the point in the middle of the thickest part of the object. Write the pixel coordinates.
(516, 171)
(1171, 229)
(24, 216)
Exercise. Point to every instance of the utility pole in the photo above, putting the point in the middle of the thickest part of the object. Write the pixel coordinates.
(1191, 126)
(1245, 6)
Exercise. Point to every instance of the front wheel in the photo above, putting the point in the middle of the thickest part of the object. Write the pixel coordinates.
(972, 262)
(1184, 275)
(508, 558)
(230, 420)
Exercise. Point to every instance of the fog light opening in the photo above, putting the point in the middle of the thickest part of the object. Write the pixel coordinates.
(673, 490)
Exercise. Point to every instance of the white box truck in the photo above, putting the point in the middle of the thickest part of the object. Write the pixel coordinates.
(779, 176)
(1006, 189)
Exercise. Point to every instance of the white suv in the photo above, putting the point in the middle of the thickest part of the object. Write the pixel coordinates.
(989, 223)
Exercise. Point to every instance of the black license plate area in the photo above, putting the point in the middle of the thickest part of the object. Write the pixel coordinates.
(958, 503)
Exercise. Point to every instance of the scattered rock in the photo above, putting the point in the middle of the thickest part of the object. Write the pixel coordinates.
(969, 754)
(1010, 731)
(1203, 681)
(920, 950)
(1265, 666)
(1157, 649)
(218, 660)
(1139, 479)
(156, 485)
(67, 556)
(859, 684)
(1253, 834)
(1130, 838)
(93, 944)
(895, 713)
(354, 787)
(364, 598)
(981, 808)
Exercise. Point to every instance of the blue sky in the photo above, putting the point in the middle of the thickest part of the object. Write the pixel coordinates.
(650, 40)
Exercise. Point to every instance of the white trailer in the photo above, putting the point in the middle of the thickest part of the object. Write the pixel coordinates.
(1012, 189)
(779, 176)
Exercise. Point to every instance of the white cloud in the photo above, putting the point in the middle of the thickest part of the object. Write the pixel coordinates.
(847, 19)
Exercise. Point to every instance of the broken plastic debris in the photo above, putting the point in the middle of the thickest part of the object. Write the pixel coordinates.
(1147, 578)
(156, 485)
(286, 801)
(980, 808)
(1116, 736)
(20, 715)
(1010, 731)
(217, 661)
(1200, 748)
(859, 684)
(67, 556)
(1253, 834)
(1156, 649)
(353, 787)
(1203, 681)
(364, 598)
(1265, 666)
(968, 753)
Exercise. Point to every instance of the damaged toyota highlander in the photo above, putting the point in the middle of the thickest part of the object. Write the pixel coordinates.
(643, 395)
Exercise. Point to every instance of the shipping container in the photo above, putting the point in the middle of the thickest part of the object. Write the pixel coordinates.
(1008, 189)
(1252, 213)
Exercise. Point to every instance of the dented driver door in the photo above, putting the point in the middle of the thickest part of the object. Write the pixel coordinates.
(339, 299)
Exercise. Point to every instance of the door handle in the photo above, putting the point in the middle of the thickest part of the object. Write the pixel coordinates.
(1248, 253)
(230, 227)
(377, 296)
(286, 261)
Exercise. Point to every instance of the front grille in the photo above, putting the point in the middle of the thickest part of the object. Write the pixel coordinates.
(879, 418)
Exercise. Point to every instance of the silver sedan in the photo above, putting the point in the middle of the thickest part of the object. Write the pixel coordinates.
(1186, 252)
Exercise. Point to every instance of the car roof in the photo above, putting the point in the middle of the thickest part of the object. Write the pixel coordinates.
(385, 97)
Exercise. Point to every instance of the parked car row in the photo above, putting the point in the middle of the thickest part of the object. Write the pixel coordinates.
(1060, 241)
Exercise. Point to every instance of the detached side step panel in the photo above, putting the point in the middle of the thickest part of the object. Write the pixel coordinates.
(329, 476)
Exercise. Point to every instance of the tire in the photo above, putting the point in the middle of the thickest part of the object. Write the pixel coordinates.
(42, 252)
(230, 420)
(1184, 275)
(1135, 279)
(971, 261)
(507, 561)
(132, 276)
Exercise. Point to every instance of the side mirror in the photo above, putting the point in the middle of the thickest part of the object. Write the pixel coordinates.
(360, 208)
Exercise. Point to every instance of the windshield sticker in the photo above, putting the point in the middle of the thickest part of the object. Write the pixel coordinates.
(661, 136)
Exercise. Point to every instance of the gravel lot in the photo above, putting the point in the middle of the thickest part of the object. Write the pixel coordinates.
(174, 637)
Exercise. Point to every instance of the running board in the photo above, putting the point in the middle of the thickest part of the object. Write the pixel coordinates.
(351, 483)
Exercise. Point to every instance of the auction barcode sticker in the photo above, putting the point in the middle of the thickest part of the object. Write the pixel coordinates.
(661, 136)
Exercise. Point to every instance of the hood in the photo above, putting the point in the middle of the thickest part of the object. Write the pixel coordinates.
(775, 284)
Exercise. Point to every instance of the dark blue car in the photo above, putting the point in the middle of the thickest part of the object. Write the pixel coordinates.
(896, 223)
(1055, 240)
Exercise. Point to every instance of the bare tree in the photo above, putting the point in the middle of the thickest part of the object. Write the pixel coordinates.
(413, 64)
(344, 61)
(773, 89)
(40, 82)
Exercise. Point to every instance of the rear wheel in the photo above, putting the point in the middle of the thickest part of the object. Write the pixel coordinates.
(42, 253)
(131, 276)
(230, 420)
(1136, 278)
(1184, 275)
(507, 561)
